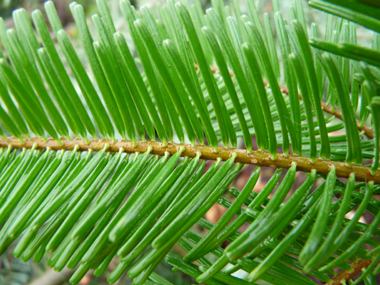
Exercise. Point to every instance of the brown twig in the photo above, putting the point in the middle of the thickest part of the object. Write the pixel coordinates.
(327, 108)
(356, 267)
(338, 114)
(260, 158)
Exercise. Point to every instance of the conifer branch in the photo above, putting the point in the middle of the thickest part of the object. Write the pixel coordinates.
(82, 207)
(259, 158)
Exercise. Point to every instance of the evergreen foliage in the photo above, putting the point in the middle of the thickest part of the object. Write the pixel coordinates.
(205, 79)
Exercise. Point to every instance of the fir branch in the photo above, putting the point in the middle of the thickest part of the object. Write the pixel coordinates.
(77, 197)
(259, 158)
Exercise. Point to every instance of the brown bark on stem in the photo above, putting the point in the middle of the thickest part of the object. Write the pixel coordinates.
(349, 274)
(259, 158)
(338, 114)
(325, 107)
